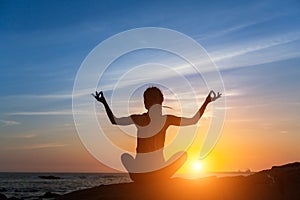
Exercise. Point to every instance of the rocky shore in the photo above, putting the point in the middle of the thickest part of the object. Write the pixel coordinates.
(277, 183)
(47, 195)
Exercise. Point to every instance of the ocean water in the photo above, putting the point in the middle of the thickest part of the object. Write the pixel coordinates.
(30, 186)
(213, 174)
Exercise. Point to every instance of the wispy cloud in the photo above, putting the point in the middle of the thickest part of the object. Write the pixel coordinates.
(225, 54)
(233, 93)
(252, 46)
(231, 29)
(9, 122)
(26, 136)
(243, 54)
(65, 112)
(283, 131)
(54, 96)
(37, 99)
(39, 146)
(258, 45)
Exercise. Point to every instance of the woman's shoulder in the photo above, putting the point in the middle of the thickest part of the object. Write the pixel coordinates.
(139, 115)
(140, 119)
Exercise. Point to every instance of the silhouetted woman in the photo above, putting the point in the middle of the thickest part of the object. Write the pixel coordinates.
(151, 133)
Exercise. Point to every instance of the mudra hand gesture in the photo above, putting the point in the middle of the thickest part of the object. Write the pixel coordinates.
(212, 96)
(99, 96)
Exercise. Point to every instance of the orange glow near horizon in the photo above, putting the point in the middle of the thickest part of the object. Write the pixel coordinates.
(197, 166)
(242, 145)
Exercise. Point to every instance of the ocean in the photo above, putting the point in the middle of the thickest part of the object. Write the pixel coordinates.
(32, 186)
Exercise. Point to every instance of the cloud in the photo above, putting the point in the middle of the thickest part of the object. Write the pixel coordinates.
(35, 98)
(26, 136)
(268, 44)
(256, 46)
(58, 96)
(231, 29)
(283, 131)
(233, 93)
(36, 113)
(241, 53)
(39, 146)
(9, 122)
(66, 112)
(244, 54)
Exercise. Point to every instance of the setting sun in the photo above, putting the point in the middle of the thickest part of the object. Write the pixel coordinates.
(197, 166)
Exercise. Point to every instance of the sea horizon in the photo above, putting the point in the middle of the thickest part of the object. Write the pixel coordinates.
(34, 185)
(120, 172)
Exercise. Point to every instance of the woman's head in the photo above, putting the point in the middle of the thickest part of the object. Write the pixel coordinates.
(152, 96)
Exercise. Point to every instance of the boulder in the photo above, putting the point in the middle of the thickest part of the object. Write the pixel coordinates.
(13, 198)
(3, 197)
(50, 195)
(3, 190)
(49, 177)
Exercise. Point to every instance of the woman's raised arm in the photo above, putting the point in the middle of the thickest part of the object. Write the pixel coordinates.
(113, 119)
(183, 121)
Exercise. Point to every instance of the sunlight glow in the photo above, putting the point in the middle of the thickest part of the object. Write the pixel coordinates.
(197, 166)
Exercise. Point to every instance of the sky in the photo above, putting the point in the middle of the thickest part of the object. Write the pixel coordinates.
(254, 44)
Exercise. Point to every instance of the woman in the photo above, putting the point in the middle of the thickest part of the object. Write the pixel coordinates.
(151, 133)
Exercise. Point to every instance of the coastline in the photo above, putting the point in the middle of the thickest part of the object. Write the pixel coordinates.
(279, 182)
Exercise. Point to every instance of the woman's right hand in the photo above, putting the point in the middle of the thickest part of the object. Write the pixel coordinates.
(212, 96)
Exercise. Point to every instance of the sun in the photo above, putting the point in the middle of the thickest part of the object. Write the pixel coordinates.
(197, 166)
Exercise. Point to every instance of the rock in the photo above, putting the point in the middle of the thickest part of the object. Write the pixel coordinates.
(278, 183)
(49, 177)
(50, 195)
(13, 198)
(3, 197)
(295, 165)
(33, 190)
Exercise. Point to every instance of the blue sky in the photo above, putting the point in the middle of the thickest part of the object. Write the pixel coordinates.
(255, 44)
